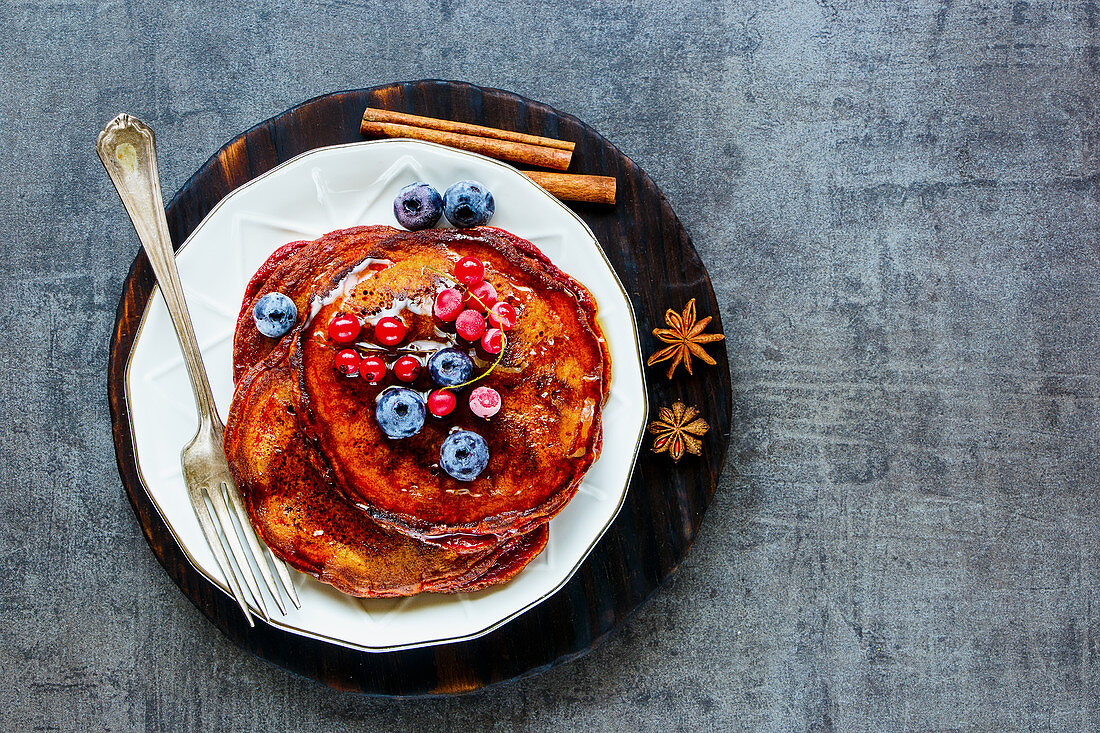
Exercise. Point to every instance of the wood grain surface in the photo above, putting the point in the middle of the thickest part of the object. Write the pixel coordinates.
(660, 269)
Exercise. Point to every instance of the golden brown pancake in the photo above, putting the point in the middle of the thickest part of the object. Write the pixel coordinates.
(303, 440)
(552, 378)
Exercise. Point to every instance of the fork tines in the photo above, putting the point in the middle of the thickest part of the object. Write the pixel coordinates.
(234, 523)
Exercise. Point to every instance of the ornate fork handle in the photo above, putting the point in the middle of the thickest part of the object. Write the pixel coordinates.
(128, 150)
(129, 154)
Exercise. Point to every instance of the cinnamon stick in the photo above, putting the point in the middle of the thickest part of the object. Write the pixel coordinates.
(576, 187)
(516, 152)
(372, 114)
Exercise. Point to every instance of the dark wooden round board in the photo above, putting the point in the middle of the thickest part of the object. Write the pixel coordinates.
(657, 263)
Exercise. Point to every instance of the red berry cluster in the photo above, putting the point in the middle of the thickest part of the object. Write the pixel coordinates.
(478, 317)
(344, 329)
(477, 314)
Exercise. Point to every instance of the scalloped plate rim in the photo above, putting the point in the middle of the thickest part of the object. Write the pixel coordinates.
(275, 620)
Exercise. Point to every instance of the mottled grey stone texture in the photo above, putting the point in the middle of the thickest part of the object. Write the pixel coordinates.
(897, 202)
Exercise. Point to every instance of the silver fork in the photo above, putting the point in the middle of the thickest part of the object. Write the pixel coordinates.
(128, 151)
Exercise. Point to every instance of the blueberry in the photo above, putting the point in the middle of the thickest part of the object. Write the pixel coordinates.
(417, 206)
(468, 204)
(464, 455)
(450, 367)
(274, 314)
(400, 412)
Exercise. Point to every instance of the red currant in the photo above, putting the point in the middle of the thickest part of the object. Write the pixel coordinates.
(470, 271)
(484, 401)
(389, 331)
(448, 304)
(442, 402)
(347, 362)
(344, 328)
(470, 324)
(372, 368)
(481, 296)
(493, 341)
(502, 316)
(407, 368)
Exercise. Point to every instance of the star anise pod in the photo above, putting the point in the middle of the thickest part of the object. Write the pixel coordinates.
(678, 429)
(687, 339)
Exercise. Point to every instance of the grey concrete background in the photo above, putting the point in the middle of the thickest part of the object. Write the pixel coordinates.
(897, 202)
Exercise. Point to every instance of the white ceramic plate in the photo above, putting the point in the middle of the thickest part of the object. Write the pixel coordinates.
(333, 188)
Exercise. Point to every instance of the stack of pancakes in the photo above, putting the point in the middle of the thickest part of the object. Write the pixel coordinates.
(332, 495)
